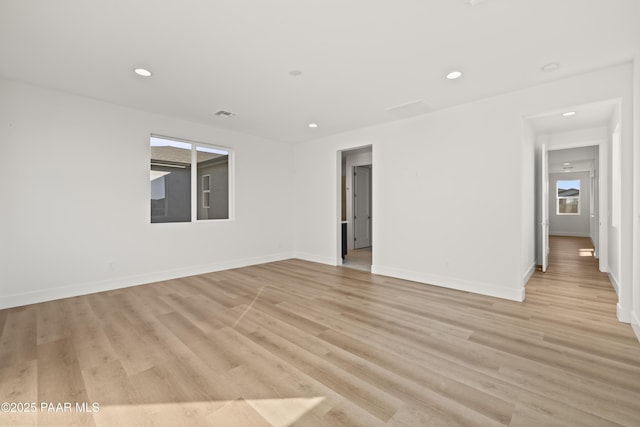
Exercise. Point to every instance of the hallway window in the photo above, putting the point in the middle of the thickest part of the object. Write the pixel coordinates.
(568, 197)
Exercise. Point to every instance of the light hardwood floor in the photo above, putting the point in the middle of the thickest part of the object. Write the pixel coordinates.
(298, 343)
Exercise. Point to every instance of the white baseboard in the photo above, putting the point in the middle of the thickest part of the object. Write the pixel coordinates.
(528, 274)
(635, 324)
(451, 283)
(596, 252)
(614, 282)
(17, 300)
(622, 315)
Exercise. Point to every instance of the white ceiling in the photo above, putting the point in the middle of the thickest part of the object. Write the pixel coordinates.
(358, 57)
(597, 114)
(581, 159)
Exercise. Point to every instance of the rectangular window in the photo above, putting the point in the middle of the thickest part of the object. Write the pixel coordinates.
(568, 197)
(213, 200)
(206, 191)
(189, 181)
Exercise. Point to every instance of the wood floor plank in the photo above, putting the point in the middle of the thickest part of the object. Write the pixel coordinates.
(18, 342)
(527, 415)
(86, 332)
(601, 347)
(197, 310)
(60, 382)
(573, 361)
(3, 318)
(462, 403)
(165, 403)
(51, 324)
(134, 351)
(379, 403)
(237, 413)
(620, 407)
(19, 385)
(110, 386)
(209, 350)
(445, 391)
(304, 344)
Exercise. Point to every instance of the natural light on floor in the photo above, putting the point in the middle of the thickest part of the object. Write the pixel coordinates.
(275, 412)
(586, 252)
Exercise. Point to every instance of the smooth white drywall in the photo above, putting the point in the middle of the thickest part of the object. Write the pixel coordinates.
(75, 199)
(614, 204)
(447, 201)
(570, 225)
(528, 195)
(635, 314)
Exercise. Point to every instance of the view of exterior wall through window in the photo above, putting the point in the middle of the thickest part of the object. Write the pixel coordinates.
(188, 181)
(568, 197)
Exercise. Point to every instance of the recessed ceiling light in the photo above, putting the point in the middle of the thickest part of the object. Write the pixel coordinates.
(142, 72)
(566, 164)
(552, 66)
(454, 75)
(569, 113)
(313, 125)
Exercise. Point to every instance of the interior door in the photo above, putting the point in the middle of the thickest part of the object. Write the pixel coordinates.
(361, 207)
(544, 208)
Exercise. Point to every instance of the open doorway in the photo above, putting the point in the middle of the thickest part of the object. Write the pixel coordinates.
(574, 144)
(572, 198)
(598, 124)
(357, 215)
(573, 201)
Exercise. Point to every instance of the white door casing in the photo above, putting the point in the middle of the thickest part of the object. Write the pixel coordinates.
(544, 208)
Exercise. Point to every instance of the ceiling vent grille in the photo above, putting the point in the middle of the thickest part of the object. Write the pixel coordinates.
(409, 109)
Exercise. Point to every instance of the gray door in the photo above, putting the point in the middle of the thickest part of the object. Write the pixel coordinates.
(361, 206)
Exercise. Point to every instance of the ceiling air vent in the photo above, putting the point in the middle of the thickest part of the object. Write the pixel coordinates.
(409, 109)
(223, 113)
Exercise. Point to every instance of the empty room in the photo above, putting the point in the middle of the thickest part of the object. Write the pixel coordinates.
(320, 213)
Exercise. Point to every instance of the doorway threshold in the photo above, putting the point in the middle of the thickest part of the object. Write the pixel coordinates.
(359, 259)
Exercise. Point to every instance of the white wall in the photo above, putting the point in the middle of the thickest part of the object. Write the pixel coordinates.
(444, 187)
(570, 225)
(614, 202)
(594, 224)
(75, 212)
(528, 193)
(635, 314)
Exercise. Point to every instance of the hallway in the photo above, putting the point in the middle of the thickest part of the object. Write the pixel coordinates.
(574, 273)
(579, 302)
